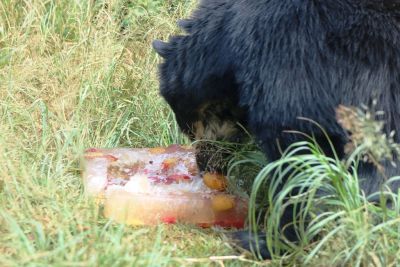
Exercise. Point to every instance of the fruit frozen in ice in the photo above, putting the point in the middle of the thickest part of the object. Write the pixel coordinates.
(159, 185)
(223, 202)
(169, 163)
(215, 181)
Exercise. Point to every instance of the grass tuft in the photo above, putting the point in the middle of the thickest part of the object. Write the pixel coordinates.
(73, 75)
(335, 223)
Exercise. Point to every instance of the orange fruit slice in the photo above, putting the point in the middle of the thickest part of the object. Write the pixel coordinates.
(215, 181)
(222, 202)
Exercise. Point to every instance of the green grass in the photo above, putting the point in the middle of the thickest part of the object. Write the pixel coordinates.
(344, 229)
(78, 74)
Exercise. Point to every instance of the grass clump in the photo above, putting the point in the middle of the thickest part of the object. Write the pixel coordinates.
(335, 222)
(73, 75)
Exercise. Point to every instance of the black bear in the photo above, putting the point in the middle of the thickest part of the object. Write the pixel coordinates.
(264, 63)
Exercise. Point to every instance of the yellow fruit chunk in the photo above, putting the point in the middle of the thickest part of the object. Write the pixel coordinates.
(169, 163)
(223, 202)
(157, 150)
(215, 181)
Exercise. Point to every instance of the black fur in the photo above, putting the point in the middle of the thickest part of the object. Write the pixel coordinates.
(277, 60)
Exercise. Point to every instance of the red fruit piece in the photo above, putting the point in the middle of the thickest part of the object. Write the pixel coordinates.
(169, 163)
(155, 179)
(111, 157)
(169, 220)
(177, 178)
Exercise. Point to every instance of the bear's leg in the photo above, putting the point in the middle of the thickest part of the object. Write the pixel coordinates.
(373, 180)
(249, 240)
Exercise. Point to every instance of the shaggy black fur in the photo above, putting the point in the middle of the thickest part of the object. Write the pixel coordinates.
(268, 62)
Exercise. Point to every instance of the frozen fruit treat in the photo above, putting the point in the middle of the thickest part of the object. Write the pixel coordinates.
(148, 186)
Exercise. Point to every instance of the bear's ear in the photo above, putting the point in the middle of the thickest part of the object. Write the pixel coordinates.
(186, 25)
(161, 48)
